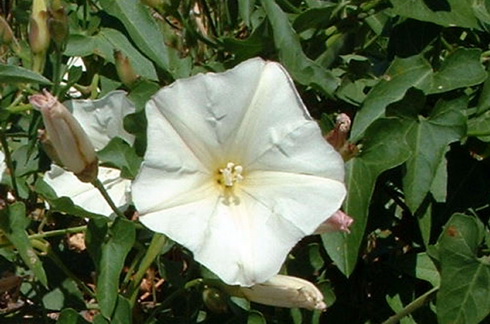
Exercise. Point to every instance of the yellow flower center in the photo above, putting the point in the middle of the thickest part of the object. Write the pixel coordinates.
(227, 179)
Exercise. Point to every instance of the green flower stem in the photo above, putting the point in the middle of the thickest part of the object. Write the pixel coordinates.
(413, 306)
(59, 232)
(56, 73)
(97, 184)
(8, 161)
(157, 243)
(46, 248)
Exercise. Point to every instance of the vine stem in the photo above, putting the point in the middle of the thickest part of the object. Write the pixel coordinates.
(98, 184)
(413, 306)
(157, 243)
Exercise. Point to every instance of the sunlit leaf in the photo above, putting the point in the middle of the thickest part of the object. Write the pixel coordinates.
(302, 69)
(384, 148)
(464, 296)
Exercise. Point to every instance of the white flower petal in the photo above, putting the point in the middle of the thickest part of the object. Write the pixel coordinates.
(170, 167)
(102, 119)
(304, 200)
(3, 166)
(85, 195)
(240, 243)
(206, 109)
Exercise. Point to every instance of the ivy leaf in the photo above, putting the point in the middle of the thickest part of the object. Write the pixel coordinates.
(460, 69)
(428, 138)
(302, 69)
(384, 148)
(403, 74)
(446, 13)
(13, 223)
(464, 296)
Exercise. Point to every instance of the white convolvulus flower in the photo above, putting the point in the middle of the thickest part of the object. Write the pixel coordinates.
(68, 142)
(102, 120)
(284, 291)
(236, 170)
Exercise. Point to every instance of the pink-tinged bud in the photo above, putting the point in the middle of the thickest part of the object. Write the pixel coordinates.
(6, 34)
(38, 29)
(285, 291)
(66, 138)
(338, 138)
(124, 69)
(339, 221)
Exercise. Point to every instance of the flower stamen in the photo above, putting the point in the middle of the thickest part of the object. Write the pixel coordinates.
(231, 174)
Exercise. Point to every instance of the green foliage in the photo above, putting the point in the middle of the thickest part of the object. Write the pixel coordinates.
(411, 74)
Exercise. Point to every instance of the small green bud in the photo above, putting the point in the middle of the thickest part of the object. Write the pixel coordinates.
(6, 34)
(58, 24)
(124, 69)
(215, 300)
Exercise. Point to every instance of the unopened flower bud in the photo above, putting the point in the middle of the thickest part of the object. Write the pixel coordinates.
(339, 135)
(284, 291)
(66, 137)
(339, 221)
(215, 300)
(6, 34)
(58, 24)
(124, 69)
(38, 30)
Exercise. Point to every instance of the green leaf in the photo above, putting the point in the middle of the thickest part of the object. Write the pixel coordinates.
(245, 9)
(16, 74)
(446, 13)
(426, 270)
(464, 296)
(120, 155)
(403, 74)
(104, 44)
(123, 313)
(484, 99)
(255, 317)
(113, 253)
(70, 316)
(141, 65)
(314, 17)
(67, 294)
(302, 69)
(428, 139)
(142, 28)
(384, 148)
(13, 223)
(462, 68)
(480, 125)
